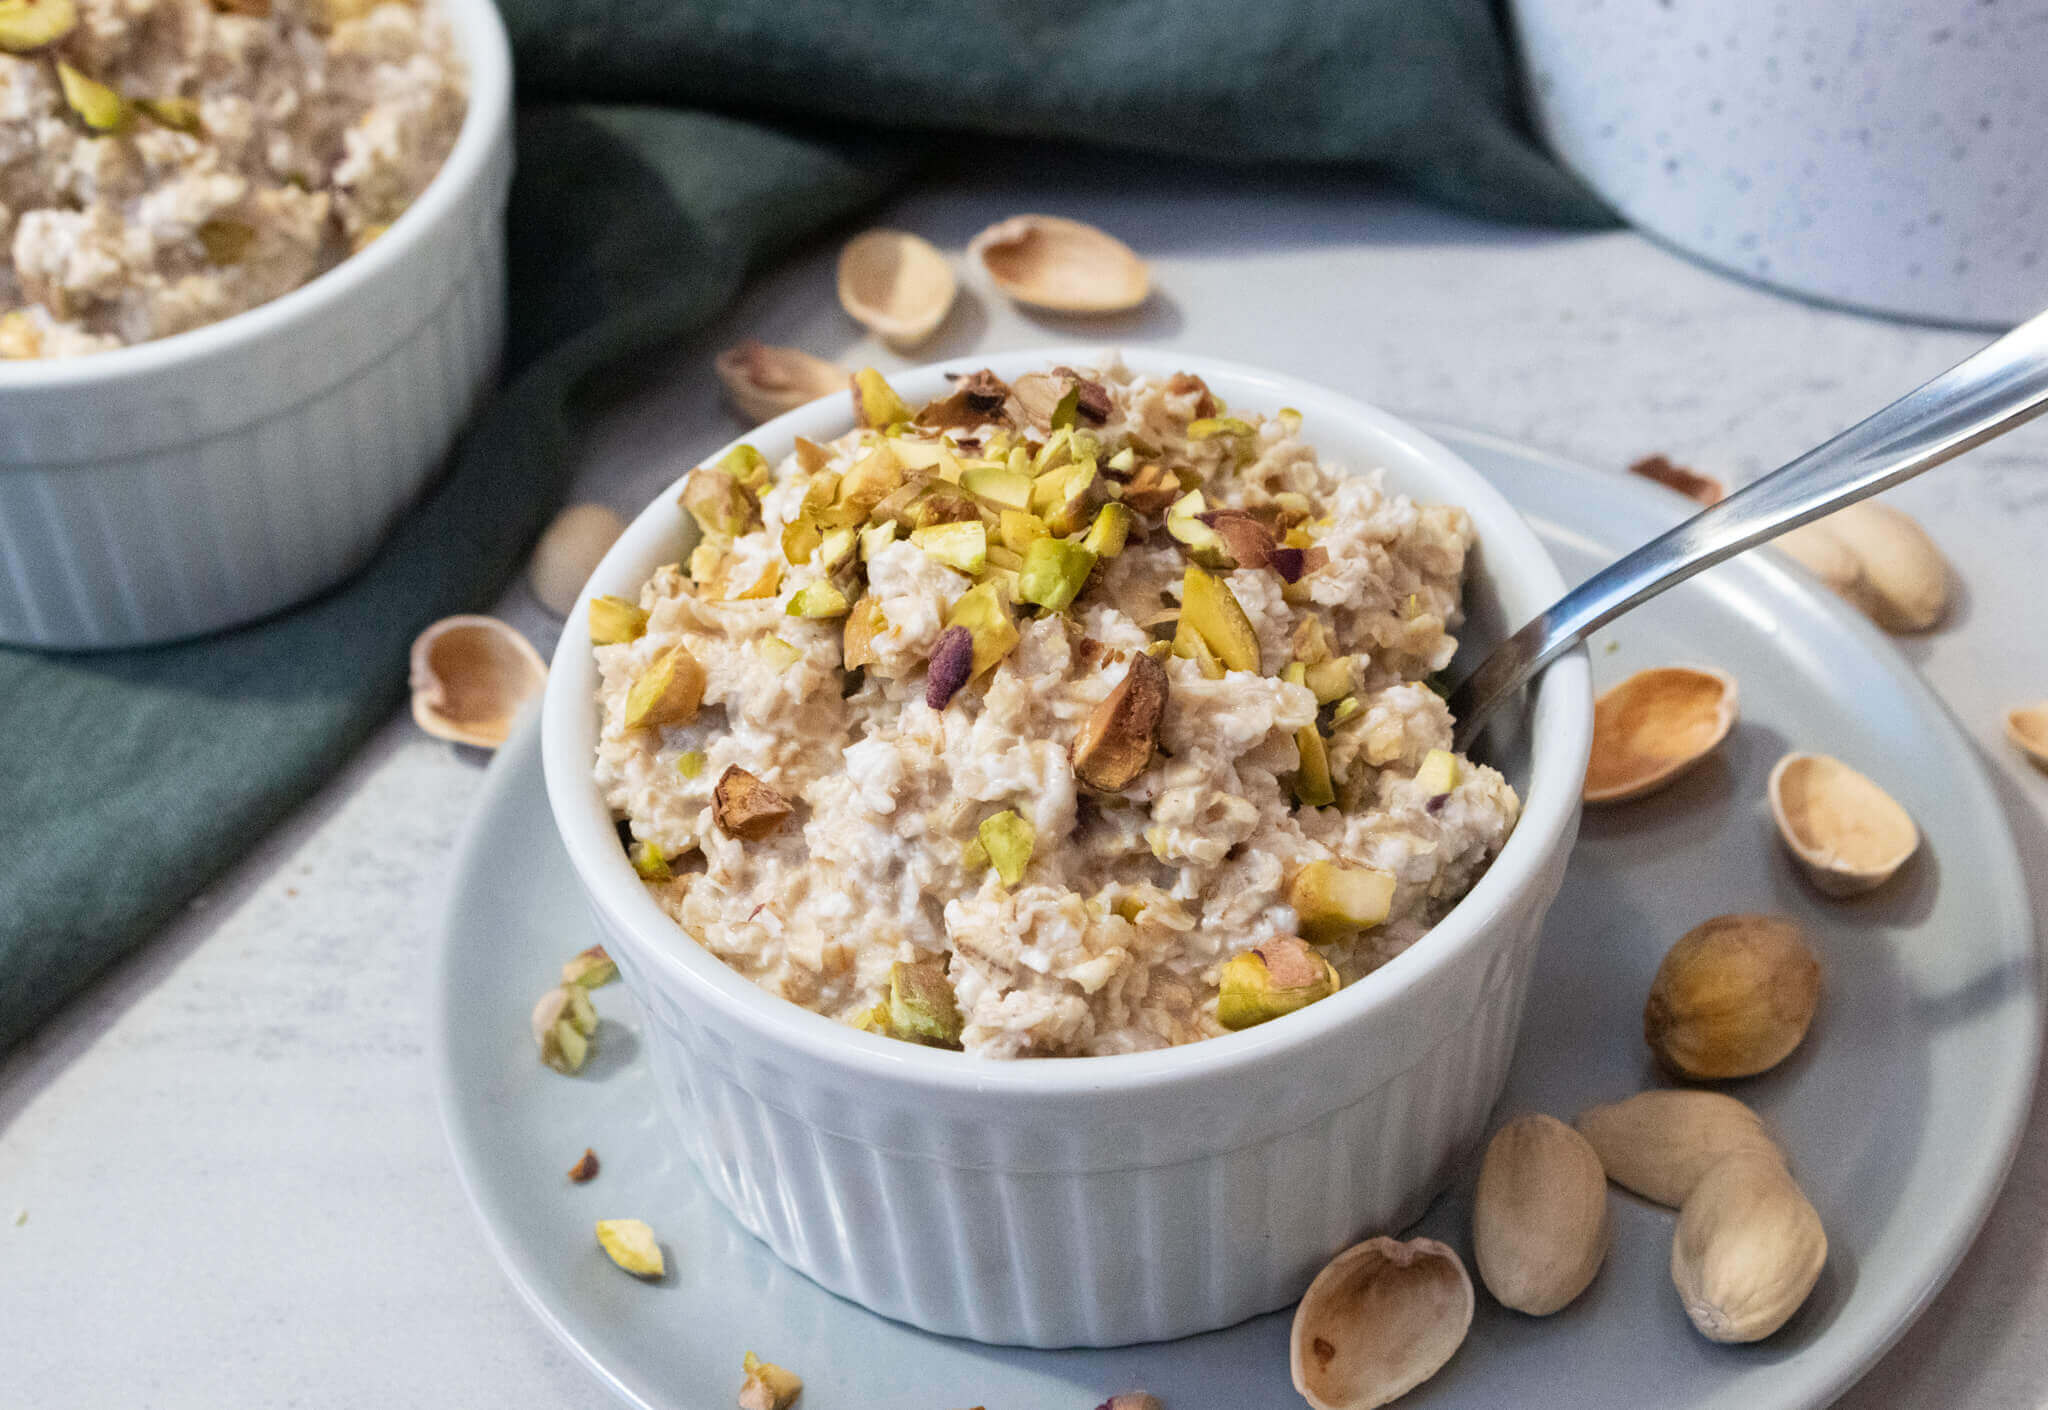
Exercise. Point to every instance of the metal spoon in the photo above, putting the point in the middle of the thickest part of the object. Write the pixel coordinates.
(1976, 400)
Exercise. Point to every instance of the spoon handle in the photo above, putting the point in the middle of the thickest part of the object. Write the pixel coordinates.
(1979, 398)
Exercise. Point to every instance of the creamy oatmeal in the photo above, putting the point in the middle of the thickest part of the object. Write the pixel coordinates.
(167, 163)
(1080, 715)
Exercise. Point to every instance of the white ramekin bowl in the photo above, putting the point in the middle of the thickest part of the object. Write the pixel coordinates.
(1097, 1201)
(206, 479)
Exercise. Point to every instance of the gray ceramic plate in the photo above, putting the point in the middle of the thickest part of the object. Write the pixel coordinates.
(1900, 1111)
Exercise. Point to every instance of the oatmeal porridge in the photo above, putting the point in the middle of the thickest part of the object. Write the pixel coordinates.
(1077, 715)
(167, 163)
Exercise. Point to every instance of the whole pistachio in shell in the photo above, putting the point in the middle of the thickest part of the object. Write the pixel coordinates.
(1380, 1319)
(1732, 998)
(1748, 1249)
(1539, 1219)
(763, 381)
(1848, 834)
(1067, 266)
(1659, 1144)
(1880, 560)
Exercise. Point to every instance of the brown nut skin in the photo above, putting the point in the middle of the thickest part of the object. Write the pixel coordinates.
(747, 808)
(1732, 998)
(1116, 740)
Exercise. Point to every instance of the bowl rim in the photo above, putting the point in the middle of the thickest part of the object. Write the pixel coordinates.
(486, 50)
(1560, 708)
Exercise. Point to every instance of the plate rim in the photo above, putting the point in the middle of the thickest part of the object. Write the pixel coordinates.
(1808, 1389)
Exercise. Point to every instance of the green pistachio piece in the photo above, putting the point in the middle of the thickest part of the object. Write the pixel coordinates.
(590, 969)
(998, 487)
(1008, 839)
(778, 653)
(1346, 708)
(1082, 493)
(981, 610)
(705, 560)
(668, 691)
(178, 114)
(836, 549)
(1330, 680)
(648, 861)
(1111, 530)
(1018, 529)
(1212, 612)
(1054, 572)
(921, 1006)
(1124, 461)
(1187, 642)
(718, 502)
(690, 763)
(974, 856)
(1205, 545)
(1209, 427)
(100, 106)
(768, 1386)
(873, 478)
(1269, 981)
(30, 24)
(816, 600)
(1066, 412)
(1335, 902)
(1439, 772)
(876, 538)
(614, 620)
(1313, 787)
(958, 545)
(863, 623)
(875, 402)
(764, 586)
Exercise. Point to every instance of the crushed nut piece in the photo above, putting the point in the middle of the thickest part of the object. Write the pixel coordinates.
(1116, 741)
(585, 1169)
(745, 807)
(1181, 383)
(592, 968)
(1688, 482)
(632, 1246)
(952, 665)
(768, 1386)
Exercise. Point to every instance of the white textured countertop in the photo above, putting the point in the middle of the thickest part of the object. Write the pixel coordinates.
(235, 1187)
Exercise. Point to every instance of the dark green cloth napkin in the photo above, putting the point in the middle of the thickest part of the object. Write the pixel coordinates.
(128, 780)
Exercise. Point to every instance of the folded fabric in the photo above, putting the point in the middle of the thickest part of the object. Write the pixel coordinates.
(128, 780)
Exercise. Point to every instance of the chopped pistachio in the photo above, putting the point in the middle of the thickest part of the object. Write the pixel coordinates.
(1151, 488)
(873, 478)
(178, 114)
(982, 611)
(1313, 787)
(958, 545)
(836, 549)
(705, 561)
(1077, 498)
(631, 1245)
(863, 622)
(1209, 427)
(719, 503)
(30, 24)
(1054, 572)
(20, 339)
(1066, 411)
(590, 968)
(99, 106)
(810, 456)
(974, 856)
(1116, 740)
(562, 1023)
(875, 402)
(1439, 772)
(998, 487)
(745, 807)
(818, 599)
(690, 763)
(1018, 529)
(747, 465)
(1124, 461)
(1127, 908)
(1289, 419)
(876, 538)
(1009, 839)
(1058, 450)
(1188, 642)
(1212, 612)
(1205, 545)
(1311, 641)
(1335, 902)
(648, 861)
(779, 654)
(768, 1386)
(1346, 708)
(921, 1006)
(585, 1169)
(226, 242)
(1007, 560)
(1268, 981)
(668, 691)
(1111, 530)
(614, 620)
(1330, 680)
(940, 507)
(951, 666)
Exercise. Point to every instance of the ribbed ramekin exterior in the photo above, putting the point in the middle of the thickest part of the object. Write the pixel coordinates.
(203, 493)
(1097, 1219)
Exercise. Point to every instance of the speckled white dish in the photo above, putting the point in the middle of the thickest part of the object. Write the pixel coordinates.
(1900, 1113)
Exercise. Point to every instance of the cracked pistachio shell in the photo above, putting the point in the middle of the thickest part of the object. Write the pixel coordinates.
(1848, 833)
(1378, 1321)
(1050, 262)
(469, 675)
(763, 381)
(897, 285)
(1654, 726)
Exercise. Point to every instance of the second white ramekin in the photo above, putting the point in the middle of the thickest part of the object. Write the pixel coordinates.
(1098, 1201)
(210, 478)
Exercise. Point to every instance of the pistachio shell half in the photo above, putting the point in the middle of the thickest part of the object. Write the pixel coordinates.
(764, 381)
(1050, 262)
(470, 675)
(1849, 834)
(568, 553)
(1880, 560)
(2027, 728)
(1379, 1320)
(1539, 1219)
(897, 285)
(1748, 1249)
(1654, 726)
